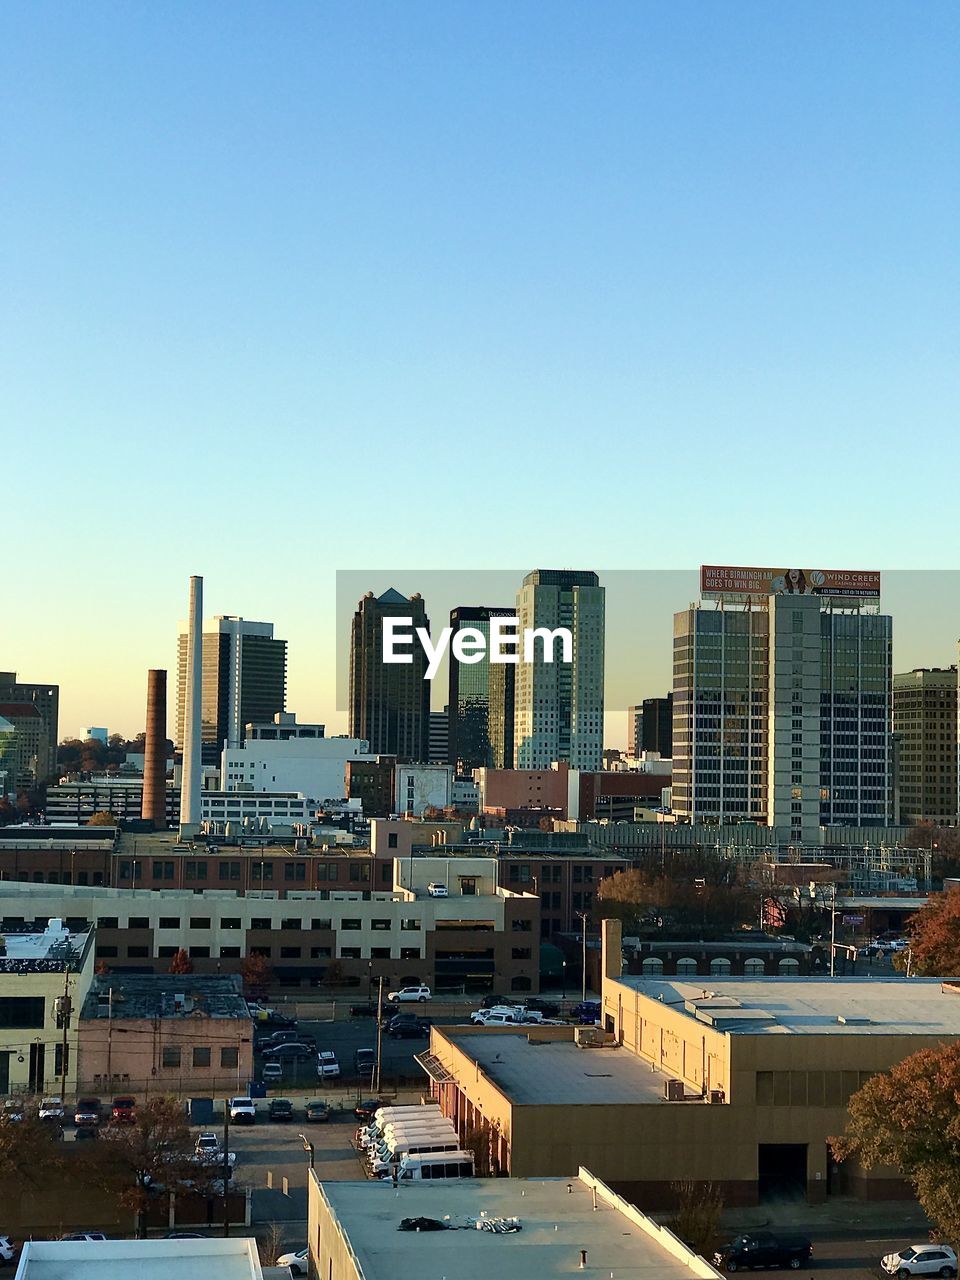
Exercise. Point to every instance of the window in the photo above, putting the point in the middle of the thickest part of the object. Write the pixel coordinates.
(291, 923)
(392, 840)
(520, 983)
(229, 871)
(229, 1057)
(379, 953)
(320, 953)
(295, 871)
(171, 1056)
(107, 922)
(196, 870)
(137, 953)
(719, 966)
(263, 871)
(410, 925)
(409, 953)
(260, 922)
(468, 886)
(789, 966)
(61, 1059)
(199, 922)
(521, 953)
(686, 966)
(350, 953)
(169, 922)
(521, 926)
(107, 952)
(201, 1056)
(651, 966)
(359, 872)
(350, 924)
(753, 967)
(138, 922)
(166, 953)
(23, 1012)
(230, 953)
(230, 922)
(261, 951)
(200, 953)
(162, 870)
(319, 923)
(380, 924)
(289, 953)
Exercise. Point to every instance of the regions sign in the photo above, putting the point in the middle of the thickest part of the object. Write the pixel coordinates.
(732, 582)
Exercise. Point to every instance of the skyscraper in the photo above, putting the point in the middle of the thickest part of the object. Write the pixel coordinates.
(781, 713)
(389, 702)
(925, 725)
(244, 680)
(37, 752)
(469, 701)
(558, 706)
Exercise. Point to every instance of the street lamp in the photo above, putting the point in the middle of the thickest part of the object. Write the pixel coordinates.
(563, 964)
(308, 1147)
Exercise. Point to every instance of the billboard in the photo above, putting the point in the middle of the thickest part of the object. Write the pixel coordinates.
(734, 582)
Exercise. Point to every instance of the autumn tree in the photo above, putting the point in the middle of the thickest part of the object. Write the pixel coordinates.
(944, 846)
(29, 1151)
(908, 1117)
(180, 962)
(257, 974)
(694, 893)
(157, 1149)
(934, 933)
(103, 818)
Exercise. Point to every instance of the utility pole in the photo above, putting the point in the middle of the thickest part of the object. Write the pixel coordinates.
(65, 1024)
(226, 1166)
(379, 1031)
(110, 1039)
(833, 929)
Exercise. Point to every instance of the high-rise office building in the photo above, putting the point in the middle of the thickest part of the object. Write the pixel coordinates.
(635, 730)
(389, 702)
(500, 713)
(244, 680)
(37, 746)
(925, 726)
(469, 702)
(438, 747)
(781, 713)
(558, 706)
(657, 726)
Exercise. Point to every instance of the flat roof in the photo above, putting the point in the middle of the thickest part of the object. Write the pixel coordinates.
(812, 1006)
(558, 1072)
(233, 1259)
(557, 1218)
(151, 995)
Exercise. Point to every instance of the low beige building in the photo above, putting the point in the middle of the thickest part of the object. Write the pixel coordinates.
(733, 1081)
(566, 1225)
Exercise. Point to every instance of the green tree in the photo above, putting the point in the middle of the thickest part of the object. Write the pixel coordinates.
(908, 1117)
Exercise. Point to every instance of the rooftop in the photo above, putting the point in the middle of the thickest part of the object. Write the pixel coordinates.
(557, 1217)
(556, 1072)
(812, 1006)
(42, 950)
(148, 1259)
(166, 995)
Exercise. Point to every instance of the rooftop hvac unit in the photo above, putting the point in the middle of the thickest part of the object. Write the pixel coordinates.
(673, 1090)
(716, 1096)
(588, 1037)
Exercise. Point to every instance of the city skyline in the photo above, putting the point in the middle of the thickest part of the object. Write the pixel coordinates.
(927, 626)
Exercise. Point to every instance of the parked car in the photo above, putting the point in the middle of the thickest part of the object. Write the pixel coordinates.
(295, 1051)
(51, 1108)
(328, 1068)
(586, 1012)
(497, 1002)
(13, 1111)
(289, 1036)
(407, 994)
(84, 1235)
(921, 1260)
(546, 1007)
(764, 1249)
(366, 1009)
(364, 1062)
(281, 1109)
(298, 1261)
(123, 1110)
(243, 1110)
(495, 1017)
(367, 1108)
(437, 889)
(8, 1250)
(317, 1112)
(271, 1072)
(406, 1027)
(88, 1113)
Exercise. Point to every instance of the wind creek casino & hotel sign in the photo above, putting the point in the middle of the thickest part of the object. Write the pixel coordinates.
(737, 583)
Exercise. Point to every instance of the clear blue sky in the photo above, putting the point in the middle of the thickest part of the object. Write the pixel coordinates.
(296, 287)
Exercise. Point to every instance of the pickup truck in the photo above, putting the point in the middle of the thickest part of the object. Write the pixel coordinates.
(764, 1249)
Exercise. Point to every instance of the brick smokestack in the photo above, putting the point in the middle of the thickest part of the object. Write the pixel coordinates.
(154, 806)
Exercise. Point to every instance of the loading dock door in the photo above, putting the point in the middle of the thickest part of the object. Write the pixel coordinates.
(782, 1171)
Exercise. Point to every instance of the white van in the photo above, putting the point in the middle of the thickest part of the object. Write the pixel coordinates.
(435, 1166)
(389, 1141)
(381, 1162)
(394, 1115)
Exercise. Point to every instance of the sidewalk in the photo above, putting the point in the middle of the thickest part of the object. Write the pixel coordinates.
(843, 1213)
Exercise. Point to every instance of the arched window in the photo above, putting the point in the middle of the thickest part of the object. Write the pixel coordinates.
(520, 984)
(686, 967)
(789, 966)
(753, 968)
(719, 966)
(652, 967)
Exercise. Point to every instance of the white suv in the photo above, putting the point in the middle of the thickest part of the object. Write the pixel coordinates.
(921, 1260)
(436, 889)
(8, 1250)
(498, 1016)
(410, 994)
(243, 1111)
(328, 1068)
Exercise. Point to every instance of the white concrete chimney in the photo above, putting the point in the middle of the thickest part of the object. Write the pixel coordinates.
(193, 701)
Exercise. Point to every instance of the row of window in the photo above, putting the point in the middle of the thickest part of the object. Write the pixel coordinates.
(172, 1057)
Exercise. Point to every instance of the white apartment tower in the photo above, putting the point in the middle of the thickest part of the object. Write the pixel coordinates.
(558, 706)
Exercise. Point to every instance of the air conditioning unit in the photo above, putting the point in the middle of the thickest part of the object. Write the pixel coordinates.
(674, 1090)
(716, 1096)
(588, 1037)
